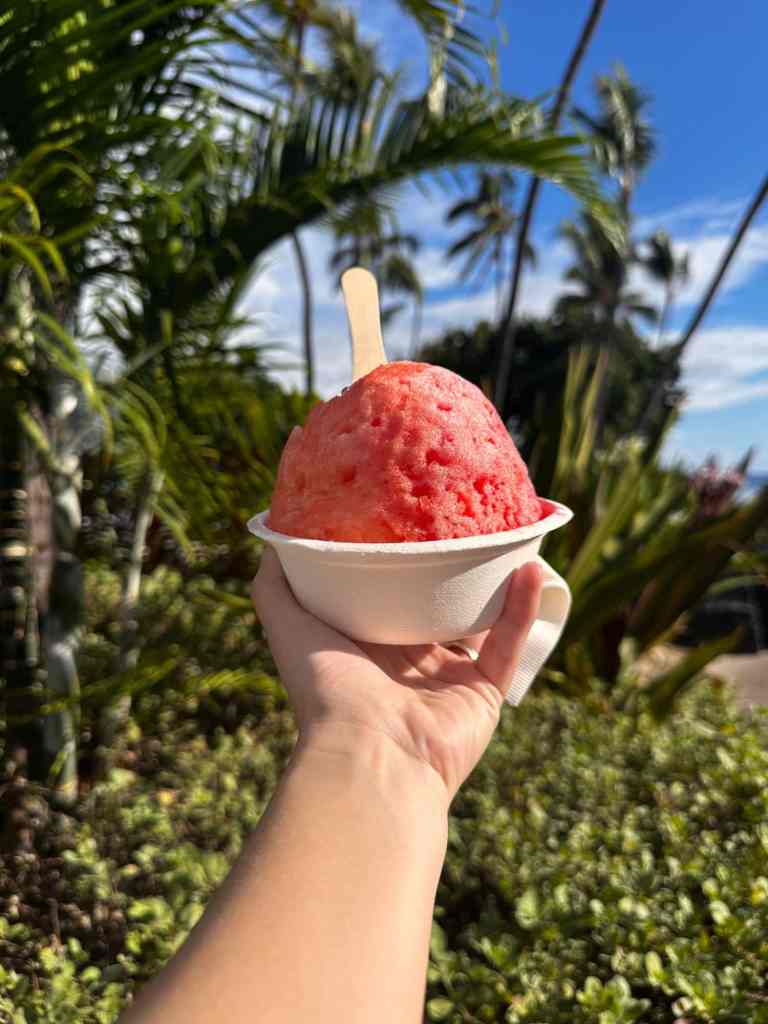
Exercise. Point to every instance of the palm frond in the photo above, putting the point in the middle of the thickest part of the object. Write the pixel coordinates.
(439, 20)
(300, 175)
(461, 209)
(622, 139)
(634, 305)
(465, 242)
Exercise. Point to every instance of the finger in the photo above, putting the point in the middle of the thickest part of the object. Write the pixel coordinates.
(293, 633)
(430, 660)
(501, 649)
(272, 597)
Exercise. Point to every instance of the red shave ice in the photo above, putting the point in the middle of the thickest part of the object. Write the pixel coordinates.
(410, 452)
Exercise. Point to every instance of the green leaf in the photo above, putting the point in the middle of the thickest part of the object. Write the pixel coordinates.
(610, 522)
(437, 942)
(665, 689)
(698, 560)
(25, 199)
(527, 909)
(439, 1008)
(26, 254)
(654, 968)
(719, 911)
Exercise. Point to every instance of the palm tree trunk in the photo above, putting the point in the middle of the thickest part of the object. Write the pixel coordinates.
(61, 635)
(498, 259)
(21, 676)
(65, 600)
(736, 241)
(62, 602)
(507, 331)
(115, 716)
(664, 313)
(306, 288)
(416, 328)
(625, 196)
(19, 641)
(301, 260)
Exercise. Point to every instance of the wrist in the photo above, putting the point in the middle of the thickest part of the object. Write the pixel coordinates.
(355, 753)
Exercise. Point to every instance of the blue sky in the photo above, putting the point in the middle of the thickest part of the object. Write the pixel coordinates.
(704, 66)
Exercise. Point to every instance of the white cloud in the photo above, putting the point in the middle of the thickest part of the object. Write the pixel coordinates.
(544, 283)
(698, 212)
(723, 367)
(421, 211)
(706, 252)
(704, 231)
(275, 299)
(434, 269)
(459, 311)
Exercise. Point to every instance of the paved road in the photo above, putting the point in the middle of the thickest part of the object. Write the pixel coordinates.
(747, 673)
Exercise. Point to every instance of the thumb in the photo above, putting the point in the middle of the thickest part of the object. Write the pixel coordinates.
(501, 650)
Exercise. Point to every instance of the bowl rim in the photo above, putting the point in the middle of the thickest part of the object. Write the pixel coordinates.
(557, 515)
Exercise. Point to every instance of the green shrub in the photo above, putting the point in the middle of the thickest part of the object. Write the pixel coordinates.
(132, 875)
(604, 868)
(202, 656)
(601, 868)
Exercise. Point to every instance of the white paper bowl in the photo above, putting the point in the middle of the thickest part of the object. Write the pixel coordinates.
(416, 592)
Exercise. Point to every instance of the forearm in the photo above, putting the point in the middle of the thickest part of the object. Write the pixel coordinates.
(327, 914)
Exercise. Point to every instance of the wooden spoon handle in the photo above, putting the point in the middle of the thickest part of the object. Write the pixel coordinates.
(361, 295)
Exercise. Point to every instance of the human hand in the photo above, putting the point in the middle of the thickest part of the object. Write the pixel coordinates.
(437, 705)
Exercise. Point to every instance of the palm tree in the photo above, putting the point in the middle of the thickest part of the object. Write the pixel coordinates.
(484, 245)
(351, 71)
(138, 94)
(302, 169)
(26, 289)
(297, 16)
(623, 145)
(397, 275)
(601, 271)
(82, 90)
(507, 329)
(351, 66)
(668, 269)
(367, 234)
(620, 135)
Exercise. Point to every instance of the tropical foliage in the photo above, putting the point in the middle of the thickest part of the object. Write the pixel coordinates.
(604, 869)
(664, 266)
(487, 240)
(639, 553)
(600, 271)
(152, 158)
(152, 184)
(598, 863)
(621, 135)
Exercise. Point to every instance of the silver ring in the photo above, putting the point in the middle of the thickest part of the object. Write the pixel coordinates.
(470, 652)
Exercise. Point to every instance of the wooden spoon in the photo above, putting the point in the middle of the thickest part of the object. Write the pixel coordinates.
(361, 295)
